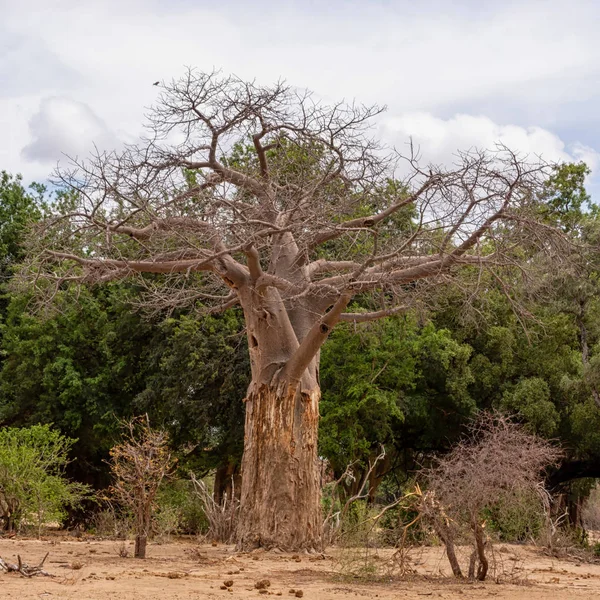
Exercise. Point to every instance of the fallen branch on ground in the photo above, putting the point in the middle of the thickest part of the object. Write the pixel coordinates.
(23, 568)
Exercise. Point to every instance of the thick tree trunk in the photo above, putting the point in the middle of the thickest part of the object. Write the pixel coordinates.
(280, 502)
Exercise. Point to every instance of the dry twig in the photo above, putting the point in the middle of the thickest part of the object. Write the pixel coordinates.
(23, 568)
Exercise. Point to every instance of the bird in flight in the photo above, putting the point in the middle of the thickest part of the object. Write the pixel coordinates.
(156, 83)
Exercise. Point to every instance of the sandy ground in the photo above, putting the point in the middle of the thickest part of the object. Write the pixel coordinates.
(90, 569)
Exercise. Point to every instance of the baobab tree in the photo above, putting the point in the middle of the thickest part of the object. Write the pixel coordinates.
(266, 198)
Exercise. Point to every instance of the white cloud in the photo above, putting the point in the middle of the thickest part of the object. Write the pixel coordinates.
(513, 62)
(438, 139)
(588, 155)
(64, 126)
(29, 66)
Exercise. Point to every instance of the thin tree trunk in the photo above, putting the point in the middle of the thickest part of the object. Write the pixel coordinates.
(482, 568)
(280, 500)
(446, 536)
(140, 546)
(472, 564)
(141, 538)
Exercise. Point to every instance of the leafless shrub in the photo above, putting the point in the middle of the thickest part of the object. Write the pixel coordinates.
(123, 551)
(139, 465)
(558, 540)
(222, 518)
(361, 556)
(591, 510)
(337, 513)
(360, 536)
(497, 463)
(110, 523)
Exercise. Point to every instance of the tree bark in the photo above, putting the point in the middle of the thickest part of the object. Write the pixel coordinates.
(444, 533)
(482, 568)
(143, 530)
(280, 502)
(140, 546)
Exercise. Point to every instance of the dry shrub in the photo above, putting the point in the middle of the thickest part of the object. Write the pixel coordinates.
(561, 541)
(222, 518)
(496, 465)
(361, 555)
(344, 522)
(165, 523)
(591, 511)
(111, 523)
(356, 528)
(139, 465)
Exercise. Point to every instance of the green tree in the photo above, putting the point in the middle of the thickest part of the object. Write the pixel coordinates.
(78, 368)
(198, 370)
(393, 382)
(18, 208)
(33, 486)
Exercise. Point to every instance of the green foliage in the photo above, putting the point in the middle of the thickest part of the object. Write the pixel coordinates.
(565, 198)
(388, 382)
(94, 361)
(530, 398)
(518, 519)
(362, 398)
(198, 373)
(17, 209)
(180, 509)
(79, 368)
(32, 482)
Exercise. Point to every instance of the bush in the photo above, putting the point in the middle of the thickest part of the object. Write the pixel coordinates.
(112, 523)
(394, 530)
(32, 482)
(180, 510)
(139, 464)
(519, 518)
(222, 518)
(495, 469)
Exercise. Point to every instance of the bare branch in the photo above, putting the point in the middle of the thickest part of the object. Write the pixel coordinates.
(362, 317)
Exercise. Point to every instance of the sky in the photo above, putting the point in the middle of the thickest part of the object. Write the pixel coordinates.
(453, 74)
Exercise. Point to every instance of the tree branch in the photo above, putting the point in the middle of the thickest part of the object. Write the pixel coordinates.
(140, 266)
(371, 220)
(314, 339)
(362, 317)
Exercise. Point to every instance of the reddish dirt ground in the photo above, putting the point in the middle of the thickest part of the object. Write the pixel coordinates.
(93, 570)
